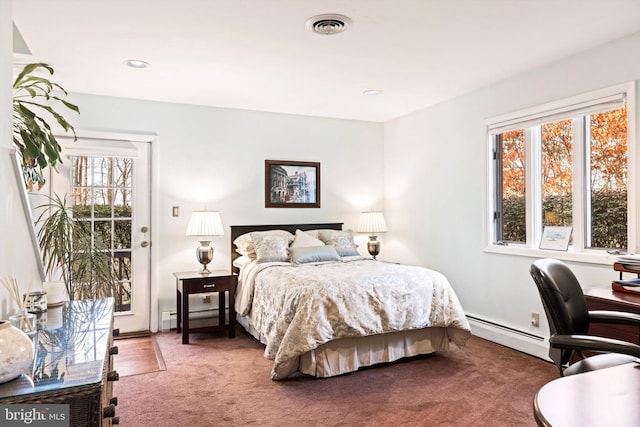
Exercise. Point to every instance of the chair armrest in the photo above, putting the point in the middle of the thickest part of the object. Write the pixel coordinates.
(617, 317)
(594, 343)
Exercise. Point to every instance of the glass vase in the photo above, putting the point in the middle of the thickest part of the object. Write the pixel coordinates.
(24, 321)
(16, 353)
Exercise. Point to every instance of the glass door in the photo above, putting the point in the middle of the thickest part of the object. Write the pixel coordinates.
(109, 192)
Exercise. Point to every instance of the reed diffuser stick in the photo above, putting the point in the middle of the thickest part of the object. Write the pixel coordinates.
(11, 284)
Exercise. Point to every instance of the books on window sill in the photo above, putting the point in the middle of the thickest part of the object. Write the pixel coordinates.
(630, 286)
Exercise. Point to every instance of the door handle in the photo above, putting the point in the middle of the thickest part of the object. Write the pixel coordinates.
(144, 243)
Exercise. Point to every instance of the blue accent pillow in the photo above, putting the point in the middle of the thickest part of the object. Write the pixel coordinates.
(305, 254)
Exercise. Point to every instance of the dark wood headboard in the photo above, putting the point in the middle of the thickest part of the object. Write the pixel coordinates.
(239, 230)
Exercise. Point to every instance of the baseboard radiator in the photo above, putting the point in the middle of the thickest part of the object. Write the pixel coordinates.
(169, 319)
(525, 342)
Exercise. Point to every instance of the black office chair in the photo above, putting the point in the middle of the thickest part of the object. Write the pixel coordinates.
(569, 319)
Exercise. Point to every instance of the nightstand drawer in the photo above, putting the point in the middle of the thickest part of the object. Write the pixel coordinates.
(207, 284)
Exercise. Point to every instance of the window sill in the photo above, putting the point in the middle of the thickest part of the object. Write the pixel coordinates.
(593, 257)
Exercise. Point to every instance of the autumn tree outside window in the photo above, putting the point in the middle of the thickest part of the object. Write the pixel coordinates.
(562, 164)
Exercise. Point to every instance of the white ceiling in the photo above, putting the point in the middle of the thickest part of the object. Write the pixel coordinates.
(259, 55)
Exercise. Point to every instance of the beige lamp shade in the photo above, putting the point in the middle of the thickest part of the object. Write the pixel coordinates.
(372, 222)
(205, 223)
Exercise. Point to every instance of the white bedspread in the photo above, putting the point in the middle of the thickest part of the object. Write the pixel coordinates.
(296, 308)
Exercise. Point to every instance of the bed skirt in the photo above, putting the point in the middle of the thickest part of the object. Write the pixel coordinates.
(346, 355)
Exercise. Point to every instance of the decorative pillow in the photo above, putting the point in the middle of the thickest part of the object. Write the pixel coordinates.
(341, 240)
(303, 239)
(245, 244)
(304, 254)
(271, 247)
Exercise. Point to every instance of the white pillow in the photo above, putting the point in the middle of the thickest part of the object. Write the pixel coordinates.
(313, 233)
(303, 239)
(244, 245)
(241, 261)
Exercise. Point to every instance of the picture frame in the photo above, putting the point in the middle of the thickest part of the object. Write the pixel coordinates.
(556, 238)
(291, 184)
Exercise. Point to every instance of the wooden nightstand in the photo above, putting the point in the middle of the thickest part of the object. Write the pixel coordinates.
(220, 281)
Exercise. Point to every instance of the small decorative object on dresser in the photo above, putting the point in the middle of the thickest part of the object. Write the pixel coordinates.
(23, 320)
(36, 302)
(16, 352)
(56, 293)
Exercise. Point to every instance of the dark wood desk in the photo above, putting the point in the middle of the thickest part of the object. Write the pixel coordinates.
(603, 298)
(608, 397)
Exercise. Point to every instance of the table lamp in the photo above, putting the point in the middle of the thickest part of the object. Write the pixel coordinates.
(372, 222)
(205, 224)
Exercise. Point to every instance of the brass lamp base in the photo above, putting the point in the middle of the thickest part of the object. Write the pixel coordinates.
(373, 246)
(205, 255)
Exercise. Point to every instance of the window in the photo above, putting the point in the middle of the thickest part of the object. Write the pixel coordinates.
(563, 164)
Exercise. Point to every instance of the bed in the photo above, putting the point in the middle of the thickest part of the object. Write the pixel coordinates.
(323, 310)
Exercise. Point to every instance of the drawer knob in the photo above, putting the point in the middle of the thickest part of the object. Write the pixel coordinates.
(113, 376)
(109, 411)
(211, 285)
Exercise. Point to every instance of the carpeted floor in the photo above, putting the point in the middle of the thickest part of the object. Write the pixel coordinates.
(216, 381)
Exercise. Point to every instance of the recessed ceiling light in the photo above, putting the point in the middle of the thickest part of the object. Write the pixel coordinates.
(136, 63)
(372, 92)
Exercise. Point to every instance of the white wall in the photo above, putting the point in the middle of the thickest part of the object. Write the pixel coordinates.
(214, 158)
(433, 184)
(17, 257)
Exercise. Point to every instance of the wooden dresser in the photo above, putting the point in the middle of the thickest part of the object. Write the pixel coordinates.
(73, 364)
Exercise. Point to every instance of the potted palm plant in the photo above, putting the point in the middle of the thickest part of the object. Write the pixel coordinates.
(34, 98)
(70, 249)
(74, 253)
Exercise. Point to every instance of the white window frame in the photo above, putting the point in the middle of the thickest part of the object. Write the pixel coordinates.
(534, 228)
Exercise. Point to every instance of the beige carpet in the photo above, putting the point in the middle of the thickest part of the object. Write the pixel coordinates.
(217, 381)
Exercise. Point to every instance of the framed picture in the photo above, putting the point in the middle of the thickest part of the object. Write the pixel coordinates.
(289, 184)
(555, 238)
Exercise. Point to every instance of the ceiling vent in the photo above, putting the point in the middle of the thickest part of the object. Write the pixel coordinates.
(328, 24)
